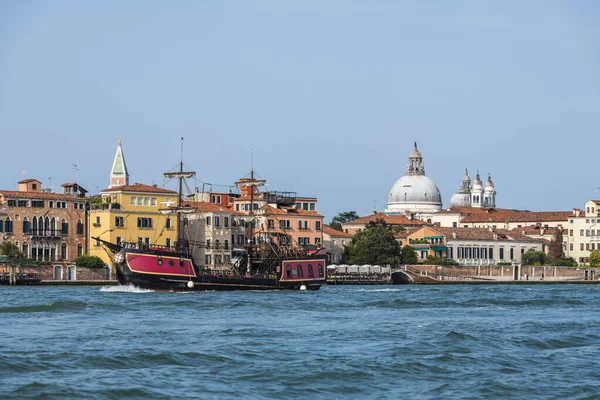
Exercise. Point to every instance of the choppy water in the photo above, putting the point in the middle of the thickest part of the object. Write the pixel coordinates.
(341, 342)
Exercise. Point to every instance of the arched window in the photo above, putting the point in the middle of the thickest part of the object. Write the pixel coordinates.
(79, 227)
(26, 226)
(311, 273)
(63, 251)
(64, 227)
(8, 225)
(300, 272)
(35, 226)
(25, 249)
(79, 249)
(47, 226)
(52, 227)
(321, 271)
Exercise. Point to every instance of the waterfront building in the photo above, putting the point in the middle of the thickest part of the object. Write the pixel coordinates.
(414, 192)
(45, 226)
(215, 232)
(335, 242)
(583, 232)
(473, 246)
(131, 213)
(394, 220)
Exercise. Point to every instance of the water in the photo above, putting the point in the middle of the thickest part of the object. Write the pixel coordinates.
(384, 342)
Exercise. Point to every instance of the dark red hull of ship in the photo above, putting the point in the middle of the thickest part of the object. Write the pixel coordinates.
(168, 271)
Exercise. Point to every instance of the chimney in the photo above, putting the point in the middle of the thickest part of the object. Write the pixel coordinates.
(453, 234)
(542, 230)
(495, 236)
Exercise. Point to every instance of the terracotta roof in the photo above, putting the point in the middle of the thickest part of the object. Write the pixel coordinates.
(484, 234)
(536, 230)
(408, 231)
(39, 195)
(139, 187)
(473, 214)
(28, 180)
(334, 232)
(205, 206)
(289, 211)
(389, 219)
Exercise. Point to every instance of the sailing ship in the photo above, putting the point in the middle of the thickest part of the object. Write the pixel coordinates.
(268, 261)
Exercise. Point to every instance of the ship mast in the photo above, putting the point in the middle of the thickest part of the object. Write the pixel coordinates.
(181, 175)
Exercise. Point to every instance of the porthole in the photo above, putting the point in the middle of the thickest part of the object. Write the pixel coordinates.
(171, 263)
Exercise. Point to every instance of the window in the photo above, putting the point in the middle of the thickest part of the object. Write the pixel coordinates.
(51, 204)
(207, 220)
(299, 271)
(217, 244)
(146, 201)
(217, 221)
(37, 203)
(26, 226)
(587, 246)
(502, 253)
(311, 273)
(119, 222)
(226, 244)
(321, 271)
(312, 206)
(144, 223)
(318, 225)
(512, 254)
(571, 232)
(133, 200)
(79, 227)
(581, 232)
(581, 246)
(153, 201)
(63, 250)
(119, 240)
(208, 243)
(98, 220)
(12, 203)
(226, 222)
(587, 232)
(23, 203)
(299, 224)
(207, 259)
(8, 225)
(571, 246)
(25, 249)
(64, 229)
(168, 242)
(139, 201)
(147, 241)
(306, 225)
(491, 253)
(168, 223)
(318, 241)
(454, 224)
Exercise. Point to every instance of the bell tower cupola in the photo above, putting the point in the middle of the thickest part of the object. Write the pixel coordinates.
(119, 175)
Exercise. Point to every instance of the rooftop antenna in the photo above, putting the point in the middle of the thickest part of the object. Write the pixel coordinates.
(50, 184)
(24, 173)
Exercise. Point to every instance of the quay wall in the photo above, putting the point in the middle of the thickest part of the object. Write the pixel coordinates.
(507, 272)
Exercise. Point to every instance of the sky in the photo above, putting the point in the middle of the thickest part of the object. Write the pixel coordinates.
(328, 95)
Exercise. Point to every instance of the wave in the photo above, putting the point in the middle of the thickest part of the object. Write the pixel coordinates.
(125, 289)
(57, 306)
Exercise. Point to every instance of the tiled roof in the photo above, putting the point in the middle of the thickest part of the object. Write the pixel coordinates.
(389, 219)
(205, 206)
(28, 180)
(404, 234)
(484, 234)
(334, 232)
(289, 211)
(38, 195)
(139, 188)
(473, 214)
(536, 230)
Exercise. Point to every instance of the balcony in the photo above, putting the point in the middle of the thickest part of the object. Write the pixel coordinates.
(106, 206)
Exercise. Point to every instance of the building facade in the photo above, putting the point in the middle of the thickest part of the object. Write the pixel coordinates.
(583, 232)
(359, 224)
(335, 243)
(45, 226)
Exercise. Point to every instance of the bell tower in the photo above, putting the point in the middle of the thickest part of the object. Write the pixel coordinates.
(118, 174)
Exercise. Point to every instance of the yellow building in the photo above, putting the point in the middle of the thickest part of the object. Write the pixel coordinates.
(131, 213)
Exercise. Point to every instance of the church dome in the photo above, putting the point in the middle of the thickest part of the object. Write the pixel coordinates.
(460, 200)
(477, 184)
(414, 192)
(489, 185)
(415, 189)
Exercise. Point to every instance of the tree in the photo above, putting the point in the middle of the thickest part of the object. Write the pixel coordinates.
(11, 250)
(532, 257)
(85, 260)
(374, 245)
(95, 202)
(409, 256)
(565, 262)
(555, 248)
(338, 220)
(595, 258)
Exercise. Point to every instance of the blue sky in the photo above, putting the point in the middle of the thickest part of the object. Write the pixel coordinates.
(330, 94)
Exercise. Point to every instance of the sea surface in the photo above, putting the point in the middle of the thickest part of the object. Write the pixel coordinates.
(371, 342)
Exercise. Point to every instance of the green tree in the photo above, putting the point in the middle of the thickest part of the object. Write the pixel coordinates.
(555, 248)
(85, 260)
(95, 202)
(532, 257)
(565, 262)
(338, 220)
(374, 245)
(409, 256)
(595, 258)
(11, 250)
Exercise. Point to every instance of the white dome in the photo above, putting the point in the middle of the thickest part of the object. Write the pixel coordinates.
(460, 200)
(411, 190)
